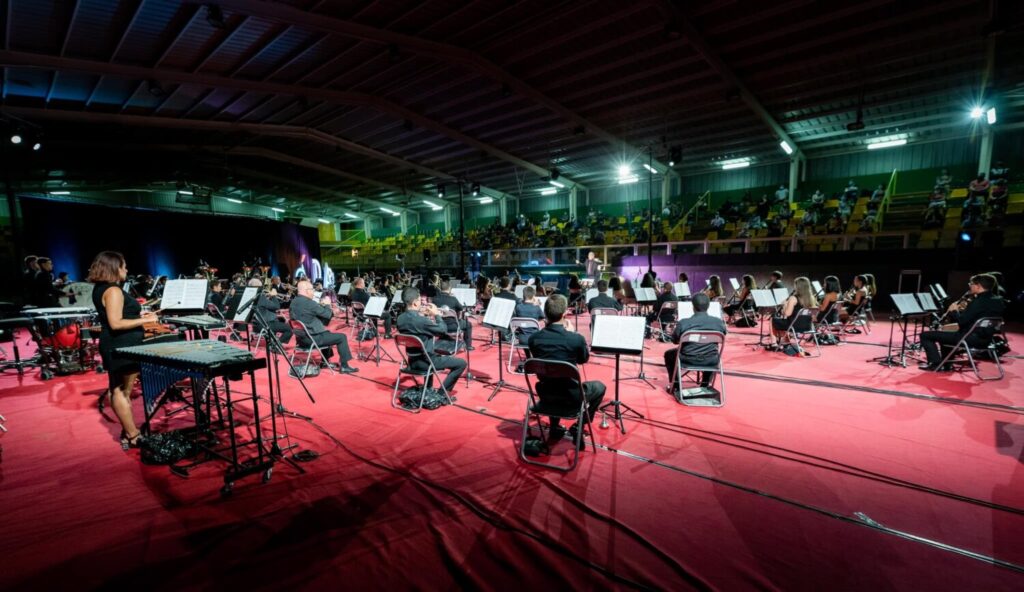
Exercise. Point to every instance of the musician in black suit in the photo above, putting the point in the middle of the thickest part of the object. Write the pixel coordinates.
(314, 315)
(555, 342)
(45, 295)
(666, 295)
(775, 282)
(426, 322)
(361, 295)
(984, 304)
(695, 354)
(505, 284)
(217, 295)
(444, 299)
(267, 308)
(28, 278)
(528, 309)
(603, 300)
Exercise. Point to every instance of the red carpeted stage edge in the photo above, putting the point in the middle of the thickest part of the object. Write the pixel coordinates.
(829, 473)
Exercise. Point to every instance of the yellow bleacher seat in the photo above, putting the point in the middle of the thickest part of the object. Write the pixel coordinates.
(1016, 198)
(852, 227)
(730, 226)
(793, 206)
(713, 235)
(761, 233)
(862, 202)
(827, 246)
(1015, 208)
(622, 219)
(958, 192)
(798, 215)
(832, 203)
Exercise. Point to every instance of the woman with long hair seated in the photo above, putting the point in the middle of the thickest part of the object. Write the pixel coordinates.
(743, 298)
(121, 320)
(714, 289)
(801, 298)
(860, 295)
(828, 310)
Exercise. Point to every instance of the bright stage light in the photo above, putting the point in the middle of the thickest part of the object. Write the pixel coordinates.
(322, 221)
(651, 169)
(624, 171)
(278, 210)
(739, 164)
(37, 146)
(486, 200)
(965, 236)
(889, 144)
(231, 199)
(353, 216)
(15, 139)
(628, 180)
(558, 184)
(548, 191)
(990, 116)
(786, 147)
(976, 113)
(60, 193)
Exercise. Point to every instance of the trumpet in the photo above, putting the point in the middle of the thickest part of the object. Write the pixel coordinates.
(959, 306)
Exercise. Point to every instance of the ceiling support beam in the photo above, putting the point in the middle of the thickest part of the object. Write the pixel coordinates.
(697, 42)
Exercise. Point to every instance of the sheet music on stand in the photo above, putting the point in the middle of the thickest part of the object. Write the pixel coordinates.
(244, 312)
(461, 286)
(906, 304)
(531, 282)
(397, 298)
(541, 300)
(715, 309)
(942, 291)
(592, 293)
(646, 295)
(735, 283)
(763, 298)
(465, 296)
(619, 334)
(344, 289)
(499, 312)
(375, 306)
(586, 282)
(685, 309)
(928, 303)
(318, 295)
(817, 287)
(519, 291)
(681, 288)
(780, 295)
(184, 295)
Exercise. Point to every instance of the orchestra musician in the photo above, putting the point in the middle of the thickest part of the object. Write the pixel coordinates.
(121, 320)
(828, 310)
(446, 300)
(28, 278)
(775, 282)
(425, 321)
(362, 296)
(695, 354)
(603, 300)
(984, 303)
(45, 295)
(504, 285)
(217, 295)
(714, 289)
(555, 342)
(528, 309)
(854, 298)
(743, 297)
(315, 315)
(666, 295)
(267, 307)
(801, 298)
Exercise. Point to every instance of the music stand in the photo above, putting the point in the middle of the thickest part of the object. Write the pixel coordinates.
(246, 307)
(467, 298)
(375, 310)
(681, 289)
(619, 335)
(498, 316)
(764, 301)
(906, 307)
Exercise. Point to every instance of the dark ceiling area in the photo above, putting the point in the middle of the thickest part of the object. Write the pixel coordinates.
(363, 104)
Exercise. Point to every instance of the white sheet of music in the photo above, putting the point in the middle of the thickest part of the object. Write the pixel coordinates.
(681, 288)
(763, 298)
(928, 303)
(685, 309)
(397, 298)
(620, 333)
(462, 286)
(541, 300)
(519, 291)
(646, 295)
(780, 294)
(941, 291)
(244, 313)
(344, 289)
(735, 283)
(184, 295)
(817, 286)
(318, 295)
(531, 282)
(375, 306)
(592, 293)
(465, 296)
(715, 309)
(906, 303)
(499, 312)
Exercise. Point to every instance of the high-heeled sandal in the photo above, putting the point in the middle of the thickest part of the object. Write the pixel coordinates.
(133, 442)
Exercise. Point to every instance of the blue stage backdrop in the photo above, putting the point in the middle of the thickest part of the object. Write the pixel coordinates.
(158, 242)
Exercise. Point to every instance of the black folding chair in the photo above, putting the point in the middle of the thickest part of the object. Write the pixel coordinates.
(694, 339)
(516, 345)
(552, 370)
(405, 343)
(302, 333)
(988, 324)
(664, 329)
(808, 335)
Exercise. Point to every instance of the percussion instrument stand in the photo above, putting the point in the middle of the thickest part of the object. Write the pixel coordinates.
(275, 351)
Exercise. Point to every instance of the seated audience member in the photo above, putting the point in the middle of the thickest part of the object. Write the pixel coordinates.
(717, 222)
(315, 316)
(935, 213)
(802, 297)
(999, 172)
(997, 200)
(851, 192)
(973, 211)
(979, 187)
(782, 194)
(878, 194)
(603, 300)
(944, 181)
(425, 321)
(695, 354)
(985, 304)
(555, 342)
(445, 300)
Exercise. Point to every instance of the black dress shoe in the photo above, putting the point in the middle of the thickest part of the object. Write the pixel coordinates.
(329, 366)
(572, 436)
(346, 369)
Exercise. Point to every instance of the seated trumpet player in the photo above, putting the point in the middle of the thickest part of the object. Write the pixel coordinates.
(268, 305)
(984, 303)
(425, 321)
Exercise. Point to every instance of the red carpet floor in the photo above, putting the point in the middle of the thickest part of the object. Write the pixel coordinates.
(778, 489)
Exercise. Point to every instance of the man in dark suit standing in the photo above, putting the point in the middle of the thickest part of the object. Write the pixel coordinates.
(695, 354)
(555, 342)
(603, 300)
(985, 304)
(426, 322)
(444, 299)
(314, 315)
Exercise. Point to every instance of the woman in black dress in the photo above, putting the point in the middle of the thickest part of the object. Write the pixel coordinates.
(121, 320)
